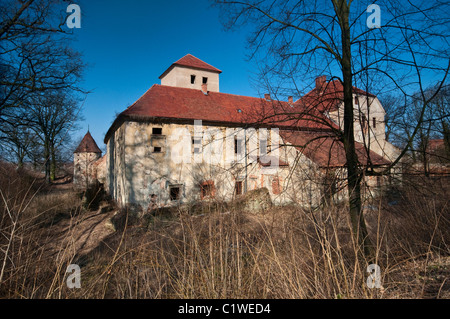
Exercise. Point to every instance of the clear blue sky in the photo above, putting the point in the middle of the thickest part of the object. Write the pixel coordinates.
(129, 44)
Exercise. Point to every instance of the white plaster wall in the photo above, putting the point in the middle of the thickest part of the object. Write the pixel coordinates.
(375, 137)
(143, 172)
(181, 77)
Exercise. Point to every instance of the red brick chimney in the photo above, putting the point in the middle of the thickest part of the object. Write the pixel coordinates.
(267, 97)
(320, 83)
(290, 100)
(205, 88)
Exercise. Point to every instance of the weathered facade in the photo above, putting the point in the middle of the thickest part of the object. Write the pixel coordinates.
(185, 141)
(86, 162)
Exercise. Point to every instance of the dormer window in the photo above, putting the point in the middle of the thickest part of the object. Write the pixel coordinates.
(204, 80)
(192, 79)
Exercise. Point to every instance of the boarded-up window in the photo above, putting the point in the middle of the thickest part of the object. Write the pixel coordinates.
(276, 186)
(207, 189)
(238, 188)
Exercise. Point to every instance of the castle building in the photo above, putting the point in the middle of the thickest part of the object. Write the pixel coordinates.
(183, 140)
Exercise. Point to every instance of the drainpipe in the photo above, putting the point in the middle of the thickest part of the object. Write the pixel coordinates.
(245, 154)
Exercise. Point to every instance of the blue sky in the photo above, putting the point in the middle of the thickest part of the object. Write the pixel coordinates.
(129, 44)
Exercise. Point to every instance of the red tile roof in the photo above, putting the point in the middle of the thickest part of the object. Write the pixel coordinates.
(88, 145)
(302, 124)
(175, 103)
(192, 62)
(326, 150)
(330, 98)
(435, 144)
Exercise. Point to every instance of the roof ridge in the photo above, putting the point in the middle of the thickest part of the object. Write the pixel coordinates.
(221, 93)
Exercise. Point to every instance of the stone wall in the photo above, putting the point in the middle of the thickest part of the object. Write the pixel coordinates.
(141, 166)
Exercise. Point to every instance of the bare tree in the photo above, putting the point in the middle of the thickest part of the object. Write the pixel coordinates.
(52, 118)
(37, 67)
(295, 41)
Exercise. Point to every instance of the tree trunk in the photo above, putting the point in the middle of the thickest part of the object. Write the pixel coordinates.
(47, 161)
(53, 164)
(354, 176)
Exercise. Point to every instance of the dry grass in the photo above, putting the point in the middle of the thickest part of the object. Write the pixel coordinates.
(224, 252)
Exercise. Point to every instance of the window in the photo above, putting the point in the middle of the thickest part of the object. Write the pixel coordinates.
(363, 123)
(374, 122)
(192, 79)
(356, 100)
(204, 80)
(158, 140)
(207, 189)
(157, 131)
(175, 192)
(276, 187)
(196, 145)
(238, 188)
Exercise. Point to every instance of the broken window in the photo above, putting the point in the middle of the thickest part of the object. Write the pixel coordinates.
(207, 189)
(175, 192)
(192, 79)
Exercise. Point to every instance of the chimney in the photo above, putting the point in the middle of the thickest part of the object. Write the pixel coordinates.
(267, 97)
(320, 83)
(290, 100)
(205, 88)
